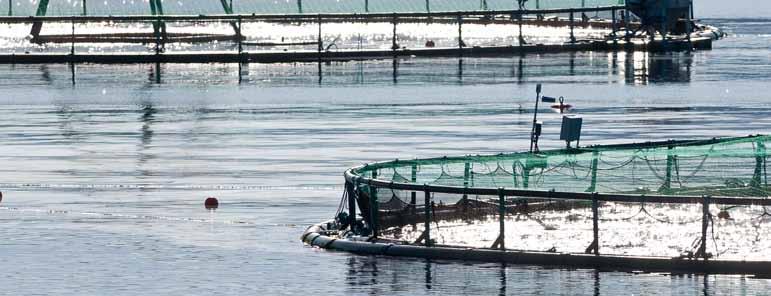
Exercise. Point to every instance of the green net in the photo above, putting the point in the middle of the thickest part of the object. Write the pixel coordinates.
(195, 7)
(728, 167)
(697, 199)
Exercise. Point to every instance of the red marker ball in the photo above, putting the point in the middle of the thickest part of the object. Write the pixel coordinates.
(211, 203)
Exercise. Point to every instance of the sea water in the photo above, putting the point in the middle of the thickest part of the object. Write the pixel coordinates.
(105, 167)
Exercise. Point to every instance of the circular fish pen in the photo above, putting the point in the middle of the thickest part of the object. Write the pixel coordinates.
(674, 206)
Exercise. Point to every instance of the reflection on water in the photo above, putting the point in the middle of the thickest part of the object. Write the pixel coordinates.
(634, 68)
(375, 275)
(646, 68)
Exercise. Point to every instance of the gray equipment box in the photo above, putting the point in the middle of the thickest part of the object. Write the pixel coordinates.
(571, 128)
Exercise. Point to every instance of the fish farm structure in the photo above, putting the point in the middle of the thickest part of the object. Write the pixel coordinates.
(673, 206)
(262, 31)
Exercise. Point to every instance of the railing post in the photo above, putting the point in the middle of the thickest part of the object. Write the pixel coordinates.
(670, 163)
(501, 219)
(702, 252)
(351, 204)
(460, 35)
(394, 45)
(466, 176)
(760, 152)
(414, 195)
(240, 37)
(366, 5)
(572, 26)
(374, 207)
(10, 7)
(596, 223)
(72, 39)
(627, 36)
(427, 213)
(428, 6)
(595, 164)
(85, 12)
(521, 37)
(613, 26)
(300, 6)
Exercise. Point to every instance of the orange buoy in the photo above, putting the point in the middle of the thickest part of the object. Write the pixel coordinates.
(211, 203)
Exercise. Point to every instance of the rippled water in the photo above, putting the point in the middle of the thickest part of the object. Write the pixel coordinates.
(103, 179)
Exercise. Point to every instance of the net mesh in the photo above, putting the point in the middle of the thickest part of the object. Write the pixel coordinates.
(722, 167)
(194, 7)
(733, 167)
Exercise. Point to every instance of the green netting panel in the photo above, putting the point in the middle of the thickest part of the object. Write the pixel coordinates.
(194, 7)
(732, 167)
(378, 6)
(340, 6)
(265, 6)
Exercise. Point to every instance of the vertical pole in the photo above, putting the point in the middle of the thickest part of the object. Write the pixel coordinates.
(351, 205)
(670, 163)
(374, 215)
(85, 11)
(537, 4)
(428, 6)
(596, 223)
(10, 7)
(366, 5)
(627, 21)
(240, 37)
(521, 37)
(501, 219)
(427, 213)
(414, 195)
(759, 165)
(300, 6)
(460, 35)
(572, 26)
(483, 5)
(240, 51)
(466, 176)
(595, 163)
(583, 3)
(72, 39)
(394, 45)
(704, 226)
(320, 43)
(613, 26)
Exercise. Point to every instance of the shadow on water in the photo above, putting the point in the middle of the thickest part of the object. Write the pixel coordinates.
(377, 275)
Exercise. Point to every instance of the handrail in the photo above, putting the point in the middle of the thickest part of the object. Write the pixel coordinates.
(559, 195)
(352, 177)
(297, 17)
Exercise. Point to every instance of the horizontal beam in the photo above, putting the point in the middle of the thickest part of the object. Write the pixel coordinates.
(294, 17)
(555, 195)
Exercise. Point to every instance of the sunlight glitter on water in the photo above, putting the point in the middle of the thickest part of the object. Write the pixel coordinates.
(625, 229)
